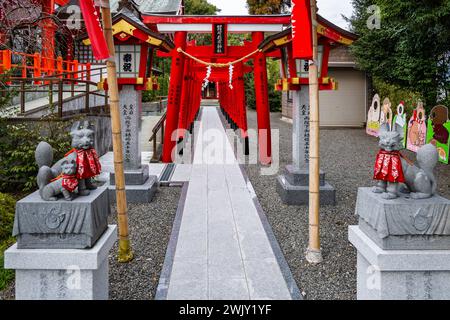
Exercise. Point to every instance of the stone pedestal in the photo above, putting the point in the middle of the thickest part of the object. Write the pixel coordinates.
(62, 274)
(140, 187)
(399, 274)
(61, 224)
(403, 247)
(404, 223)
(293, 185)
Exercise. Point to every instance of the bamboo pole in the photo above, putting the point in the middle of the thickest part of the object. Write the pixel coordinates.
(313, 254)
(125, 253)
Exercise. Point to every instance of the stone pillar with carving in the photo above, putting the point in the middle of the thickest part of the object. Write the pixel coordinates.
(293, 185)
(140, 186)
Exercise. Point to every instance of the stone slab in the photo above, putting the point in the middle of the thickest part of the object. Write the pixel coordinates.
(404, 223)
(399, 274)
(299, 195)
(300, 177)
(62, 274)
(133, 177)
(61, 224)
(138, 193)
(406, 242)
(221, 249)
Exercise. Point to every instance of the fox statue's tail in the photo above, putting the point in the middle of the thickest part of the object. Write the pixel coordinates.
(44, 159)
(427, 159)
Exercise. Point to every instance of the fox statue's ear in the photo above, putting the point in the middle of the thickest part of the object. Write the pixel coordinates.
(400, 131)
(75, 127)
(384, 128)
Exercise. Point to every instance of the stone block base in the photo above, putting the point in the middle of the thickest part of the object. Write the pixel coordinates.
(399, 274)
(132, 177)
(61, 224)
(137, 193)
(62, 274)
(299, 195)
(300, 177)
(404, 223)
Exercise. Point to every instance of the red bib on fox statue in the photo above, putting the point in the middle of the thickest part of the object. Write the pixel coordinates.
(69, 182)
(388, 167)
(88, 164)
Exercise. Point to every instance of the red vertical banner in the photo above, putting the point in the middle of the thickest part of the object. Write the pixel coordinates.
(302, 47)
(94, 29)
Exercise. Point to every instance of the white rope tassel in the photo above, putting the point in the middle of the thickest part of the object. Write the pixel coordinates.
(230, 80)
(206, 80)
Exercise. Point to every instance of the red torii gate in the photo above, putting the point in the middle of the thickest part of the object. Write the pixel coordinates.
(187, 73)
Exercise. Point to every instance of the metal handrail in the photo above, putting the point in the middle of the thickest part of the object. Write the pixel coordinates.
(159, 126)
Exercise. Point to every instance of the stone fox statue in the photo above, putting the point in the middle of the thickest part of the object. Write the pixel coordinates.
(391, 169)
(66, 183)
(88, 164)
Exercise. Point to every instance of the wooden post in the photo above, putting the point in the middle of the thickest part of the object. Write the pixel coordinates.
(125, 253)
(60, 98)
(87, 98)
(313, 254)
(22, 96)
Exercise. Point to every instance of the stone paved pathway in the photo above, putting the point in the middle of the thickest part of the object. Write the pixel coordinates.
(222, 250)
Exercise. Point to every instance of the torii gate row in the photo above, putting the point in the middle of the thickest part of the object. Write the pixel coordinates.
(187, 75)
(232, 100)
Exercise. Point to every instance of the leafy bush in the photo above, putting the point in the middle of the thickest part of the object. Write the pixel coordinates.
(18, 142)
(273, 74)
(397, 94)
(7, 209)
(152, 95)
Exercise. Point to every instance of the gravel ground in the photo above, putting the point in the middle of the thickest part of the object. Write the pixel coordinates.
(347, 159)
(150, 228)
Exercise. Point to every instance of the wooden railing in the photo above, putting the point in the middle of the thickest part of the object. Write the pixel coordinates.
(158, 127)
(37, 66)
(66, 82)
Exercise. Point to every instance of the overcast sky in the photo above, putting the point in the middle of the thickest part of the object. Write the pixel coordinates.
(329, 9)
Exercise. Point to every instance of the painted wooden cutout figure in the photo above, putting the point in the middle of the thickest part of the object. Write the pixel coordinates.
(373, 117)
(386, 113)
(399, 121)
(438, 132)
(417, 128)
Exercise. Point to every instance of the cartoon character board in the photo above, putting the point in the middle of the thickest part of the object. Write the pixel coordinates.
(417, 129)
(399, 121)
(438, 132)
(373, 117)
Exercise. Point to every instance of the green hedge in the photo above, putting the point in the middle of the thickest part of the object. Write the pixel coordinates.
(7, 209)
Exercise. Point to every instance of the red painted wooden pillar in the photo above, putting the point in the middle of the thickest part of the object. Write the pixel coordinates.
(175, 90)
(48, 35)
(185, 100)
(262, 103)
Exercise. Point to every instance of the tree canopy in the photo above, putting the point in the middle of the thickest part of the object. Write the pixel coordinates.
(200, 7)
(267, 6)
(409, 47)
